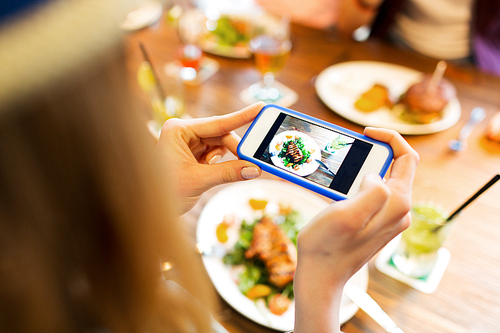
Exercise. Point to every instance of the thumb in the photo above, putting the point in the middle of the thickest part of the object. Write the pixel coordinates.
(372, 195)
(370, 181)
(229, 172)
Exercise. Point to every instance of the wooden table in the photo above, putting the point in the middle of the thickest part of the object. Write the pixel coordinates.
(468, 297)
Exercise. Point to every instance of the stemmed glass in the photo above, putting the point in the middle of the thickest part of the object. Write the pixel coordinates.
(271, 47)
(190, 53)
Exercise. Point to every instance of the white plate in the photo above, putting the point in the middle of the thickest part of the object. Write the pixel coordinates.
(340, 85)
(233, 200)
(147, 14)
(309, 144)
(238, 52)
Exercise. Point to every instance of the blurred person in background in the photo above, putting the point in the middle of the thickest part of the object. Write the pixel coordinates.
(460, 31)
(89, 204)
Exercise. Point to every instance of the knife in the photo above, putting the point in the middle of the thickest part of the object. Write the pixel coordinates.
(368, 305)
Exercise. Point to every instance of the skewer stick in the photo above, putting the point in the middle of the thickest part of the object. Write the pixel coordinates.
(437, 76)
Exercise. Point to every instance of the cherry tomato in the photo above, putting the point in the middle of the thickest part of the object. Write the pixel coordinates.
(278, 304)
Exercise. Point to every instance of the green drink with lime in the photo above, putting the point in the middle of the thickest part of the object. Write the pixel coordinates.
(338, 143)
(417, 251)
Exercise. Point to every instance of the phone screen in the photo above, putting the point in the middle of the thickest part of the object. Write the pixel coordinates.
(319, 154)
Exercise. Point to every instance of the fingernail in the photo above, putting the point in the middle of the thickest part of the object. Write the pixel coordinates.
(215, 159)
(250, 172)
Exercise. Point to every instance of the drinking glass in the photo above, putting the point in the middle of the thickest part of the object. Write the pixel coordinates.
(339, 142)
(190, 54)
(167, 100)
(271, 47)
(417, 252)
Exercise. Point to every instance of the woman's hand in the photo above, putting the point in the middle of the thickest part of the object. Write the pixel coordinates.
(343, 237)
(191, 149)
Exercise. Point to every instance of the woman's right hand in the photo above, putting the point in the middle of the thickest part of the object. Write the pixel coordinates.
(343, 237)
(191, 148)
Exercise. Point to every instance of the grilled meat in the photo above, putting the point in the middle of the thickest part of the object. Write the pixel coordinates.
(276, 250)
(294, 152)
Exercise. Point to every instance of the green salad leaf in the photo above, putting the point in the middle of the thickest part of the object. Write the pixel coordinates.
(228, 33)
(299, 142)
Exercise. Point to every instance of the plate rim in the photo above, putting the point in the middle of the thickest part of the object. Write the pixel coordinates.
(156, 11)
(406, 129)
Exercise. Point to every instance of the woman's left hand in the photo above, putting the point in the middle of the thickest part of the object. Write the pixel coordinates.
(191, 148)
(339, 240)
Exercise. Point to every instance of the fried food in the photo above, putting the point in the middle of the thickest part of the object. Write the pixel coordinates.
(276, 250)
(373, 99)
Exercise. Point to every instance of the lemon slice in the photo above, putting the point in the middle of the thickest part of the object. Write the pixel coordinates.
(221, 232)
(145, 77)
(159, 110)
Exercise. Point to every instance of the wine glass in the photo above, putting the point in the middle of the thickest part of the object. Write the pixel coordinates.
(190, 27)
(271, 47)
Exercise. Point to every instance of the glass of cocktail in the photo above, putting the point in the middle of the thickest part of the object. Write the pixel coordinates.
(417, 251)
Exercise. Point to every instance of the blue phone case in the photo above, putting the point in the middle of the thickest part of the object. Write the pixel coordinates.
(297, 179)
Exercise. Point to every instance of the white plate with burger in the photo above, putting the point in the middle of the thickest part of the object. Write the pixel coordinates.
(342, 85)
(251, 201)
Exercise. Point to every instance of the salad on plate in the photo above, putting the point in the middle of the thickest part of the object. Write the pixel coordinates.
(264, 255)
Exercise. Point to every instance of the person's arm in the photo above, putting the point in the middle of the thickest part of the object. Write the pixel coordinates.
(347, 15)
(318, 14)
(356, 13)
(343, 237)
(191, 148)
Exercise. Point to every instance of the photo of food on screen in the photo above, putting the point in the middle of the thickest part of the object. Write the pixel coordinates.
(307, 150)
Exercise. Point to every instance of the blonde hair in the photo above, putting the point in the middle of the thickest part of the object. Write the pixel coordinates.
(86, 215)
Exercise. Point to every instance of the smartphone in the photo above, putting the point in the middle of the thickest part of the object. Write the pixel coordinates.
(313, 153)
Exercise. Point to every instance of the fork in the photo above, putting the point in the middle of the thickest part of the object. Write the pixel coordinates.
(476, 116)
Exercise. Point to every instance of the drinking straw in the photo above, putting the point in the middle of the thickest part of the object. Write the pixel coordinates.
(474, 197)
(158, 85)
